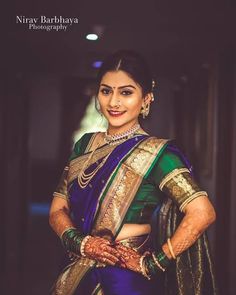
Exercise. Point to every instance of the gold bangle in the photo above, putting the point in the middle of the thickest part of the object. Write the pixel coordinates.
(171, 249)
(157, 262)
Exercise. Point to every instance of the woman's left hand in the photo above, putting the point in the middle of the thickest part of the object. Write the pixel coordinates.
(130, 257)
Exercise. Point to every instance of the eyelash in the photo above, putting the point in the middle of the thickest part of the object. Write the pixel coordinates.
(106, 91)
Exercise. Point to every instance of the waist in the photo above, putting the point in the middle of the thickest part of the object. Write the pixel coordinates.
(133, 230)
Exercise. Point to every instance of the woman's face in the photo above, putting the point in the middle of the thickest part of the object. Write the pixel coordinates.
(121, 99)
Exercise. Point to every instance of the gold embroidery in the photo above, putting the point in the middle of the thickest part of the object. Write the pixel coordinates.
(194, 196)
(61, 190)
(70, 277)
(181, 188)
(171, 175)
(97, 290)
(59, 195)
(90, 142)
(77, 164)
(125, 185)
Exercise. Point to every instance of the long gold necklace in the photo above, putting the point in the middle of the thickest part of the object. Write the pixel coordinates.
(83, 177)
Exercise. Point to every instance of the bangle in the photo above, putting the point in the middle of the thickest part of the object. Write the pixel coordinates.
(82, 246)
(157, 262)
(142, 266)
(171, 249)
(162, 259)
(66, 229)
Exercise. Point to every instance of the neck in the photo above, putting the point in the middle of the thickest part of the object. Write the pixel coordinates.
(112, 130)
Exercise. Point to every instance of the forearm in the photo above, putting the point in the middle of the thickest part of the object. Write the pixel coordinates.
(191, 227)
(60, 221)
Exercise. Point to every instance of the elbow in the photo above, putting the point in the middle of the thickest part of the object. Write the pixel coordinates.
(212, 216)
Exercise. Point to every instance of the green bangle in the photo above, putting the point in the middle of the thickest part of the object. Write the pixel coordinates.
(71, 240)
(156, 263)
(162, 259)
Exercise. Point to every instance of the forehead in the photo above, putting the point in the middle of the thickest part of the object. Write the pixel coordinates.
(117, 78)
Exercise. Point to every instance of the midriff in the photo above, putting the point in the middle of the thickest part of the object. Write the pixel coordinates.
(131, 230)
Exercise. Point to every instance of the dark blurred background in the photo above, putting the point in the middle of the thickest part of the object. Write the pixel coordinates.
(47, 81)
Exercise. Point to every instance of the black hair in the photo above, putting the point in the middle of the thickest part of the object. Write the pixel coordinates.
(133, 64)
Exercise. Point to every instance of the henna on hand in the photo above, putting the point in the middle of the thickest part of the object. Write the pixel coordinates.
(102, 251)
(130, 257)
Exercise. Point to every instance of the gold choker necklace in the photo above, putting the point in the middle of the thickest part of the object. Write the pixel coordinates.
(119, 137)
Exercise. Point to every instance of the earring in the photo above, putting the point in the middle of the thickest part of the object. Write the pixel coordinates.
(152, 97)
(145, 110)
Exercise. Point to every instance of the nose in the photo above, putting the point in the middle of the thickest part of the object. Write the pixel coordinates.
(114, 100)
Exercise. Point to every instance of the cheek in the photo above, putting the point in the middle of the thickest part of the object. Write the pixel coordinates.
(134, 104)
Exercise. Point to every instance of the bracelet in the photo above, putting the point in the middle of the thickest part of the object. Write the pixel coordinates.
(82, 246)
(171, 249)
(142, 266)
(157, 262)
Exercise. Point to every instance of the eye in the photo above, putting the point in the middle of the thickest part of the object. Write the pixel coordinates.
(105, 91)
(126, 92)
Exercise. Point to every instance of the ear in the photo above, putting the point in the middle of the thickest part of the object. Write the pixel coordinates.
(147, 99)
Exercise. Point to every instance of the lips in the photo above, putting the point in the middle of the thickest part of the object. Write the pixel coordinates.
(116, 113)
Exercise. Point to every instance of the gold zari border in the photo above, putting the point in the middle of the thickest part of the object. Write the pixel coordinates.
(125, 185)
(59, 195)
(181, 187)
(77, 164)
(171, 175)
(194, 196)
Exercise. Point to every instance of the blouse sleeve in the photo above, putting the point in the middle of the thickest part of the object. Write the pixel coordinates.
(61, 189)
(173, 177)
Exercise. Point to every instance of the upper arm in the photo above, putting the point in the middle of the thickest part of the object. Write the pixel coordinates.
(173, 177)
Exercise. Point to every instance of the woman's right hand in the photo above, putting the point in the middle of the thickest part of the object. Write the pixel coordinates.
(101, 250)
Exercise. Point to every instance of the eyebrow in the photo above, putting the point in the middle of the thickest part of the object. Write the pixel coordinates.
(118, 87)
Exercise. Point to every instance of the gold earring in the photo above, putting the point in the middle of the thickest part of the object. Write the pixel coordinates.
(145, 110)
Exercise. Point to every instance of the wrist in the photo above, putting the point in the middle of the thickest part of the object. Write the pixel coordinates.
(156, 262)
(83, 244)
(71, 240)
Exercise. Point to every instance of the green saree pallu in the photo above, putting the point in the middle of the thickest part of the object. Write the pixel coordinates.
(130, 186)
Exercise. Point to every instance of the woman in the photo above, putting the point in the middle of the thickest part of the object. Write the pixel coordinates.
(127, 209)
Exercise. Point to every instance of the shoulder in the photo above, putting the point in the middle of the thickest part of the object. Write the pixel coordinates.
(170, 158)
(81, 144)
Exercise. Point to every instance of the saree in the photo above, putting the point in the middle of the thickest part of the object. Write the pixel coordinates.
(100, 209)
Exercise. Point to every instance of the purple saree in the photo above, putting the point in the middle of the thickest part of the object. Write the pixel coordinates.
(100, 208)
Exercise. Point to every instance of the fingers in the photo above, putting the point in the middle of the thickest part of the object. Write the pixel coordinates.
(111, 259)
(126, 252)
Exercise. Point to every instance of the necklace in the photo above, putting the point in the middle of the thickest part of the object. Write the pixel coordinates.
(83, 177)
(120, 137)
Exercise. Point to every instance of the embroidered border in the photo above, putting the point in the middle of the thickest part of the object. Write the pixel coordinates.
(181, 188)
(171, 175)
(77, 164)
(194, 196)
(125, 185)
